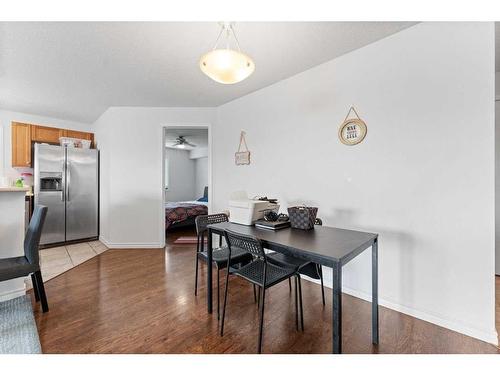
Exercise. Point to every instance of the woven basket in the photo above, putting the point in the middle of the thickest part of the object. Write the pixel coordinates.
(302, 217)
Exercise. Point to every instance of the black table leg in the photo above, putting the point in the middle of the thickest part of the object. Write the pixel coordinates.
(337, 309)
(375, 292)
(209, 271)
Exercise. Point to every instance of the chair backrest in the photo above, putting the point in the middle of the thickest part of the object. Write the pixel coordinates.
(32, 238)
(202, 221)
(248, 243)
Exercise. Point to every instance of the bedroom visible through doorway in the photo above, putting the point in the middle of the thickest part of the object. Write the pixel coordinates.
(186, 179)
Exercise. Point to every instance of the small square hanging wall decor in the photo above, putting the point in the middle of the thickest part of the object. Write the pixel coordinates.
(242, 157)
(353, 130)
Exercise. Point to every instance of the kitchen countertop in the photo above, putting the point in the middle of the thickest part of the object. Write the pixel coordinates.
(13, 189)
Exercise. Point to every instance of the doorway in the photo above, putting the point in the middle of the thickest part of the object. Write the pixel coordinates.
(186, 182)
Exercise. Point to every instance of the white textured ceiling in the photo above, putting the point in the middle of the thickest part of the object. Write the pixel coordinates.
(76, 71)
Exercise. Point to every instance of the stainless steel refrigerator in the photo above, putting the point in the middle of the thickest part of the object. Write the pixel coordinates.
(66, 181)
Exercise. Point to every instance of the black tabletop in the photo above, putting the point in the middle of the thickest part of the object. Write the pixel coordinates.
(321, 244)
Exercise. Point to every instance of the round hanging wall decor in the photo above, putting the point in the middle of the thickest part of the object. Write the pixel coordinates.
(353, 130)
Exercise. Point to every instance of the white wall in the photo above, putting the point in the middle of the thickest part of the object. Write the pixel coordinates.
(131, 144)
(7, 117)
(497, 186)
(201, 176)
(497, 172)
(198, 152)
(182, 176)
(423, 178)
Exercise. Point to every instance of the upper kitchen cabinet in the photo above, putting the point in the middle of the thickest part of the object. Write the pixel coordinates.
(79, 135)
(23, 135)
(21, 145)
(45, 134)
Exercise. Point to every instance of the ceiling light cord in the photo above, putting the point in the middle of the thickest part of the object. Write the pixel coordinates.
(228, 29)
(235, 38)
(218, 38)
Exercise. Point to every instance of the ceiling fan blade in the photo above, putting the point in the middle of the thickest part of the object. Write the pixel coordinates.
(181, 141)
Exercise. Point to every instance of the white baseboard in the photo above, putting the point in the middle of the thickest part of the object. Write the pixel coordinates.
(130, 245)
(489, 337)
(12, 294)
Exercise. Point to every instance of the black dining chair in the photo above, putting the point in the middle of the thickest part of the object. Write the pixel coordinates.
(259, 272)
(219, 255)
(301, 267)
(29, 263)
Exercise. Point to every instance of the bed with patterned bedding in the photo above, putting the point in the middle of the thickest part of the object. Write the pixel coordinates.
(178, 213)
(182, 214)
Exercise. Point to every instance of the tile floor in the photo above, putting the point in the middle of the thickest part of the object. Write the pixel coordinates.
(56, 260)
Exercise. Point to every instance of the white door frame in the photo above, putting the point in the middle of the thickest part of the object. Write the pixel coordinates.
(164, 128)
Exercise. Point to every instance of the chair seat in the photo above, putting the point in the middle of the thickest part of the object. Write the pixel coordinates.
(11, 268)
(304, 267)
(220, 255)
(254, 272)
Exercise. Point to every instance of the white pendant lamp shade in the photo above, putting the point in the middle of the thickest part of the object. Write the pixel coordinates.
(226, 65)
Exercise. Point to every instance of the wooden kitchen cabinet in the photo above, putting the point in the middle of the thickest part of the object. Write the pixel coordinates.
(79, 135)
(44, 134)
(21, 144)
(23, 135)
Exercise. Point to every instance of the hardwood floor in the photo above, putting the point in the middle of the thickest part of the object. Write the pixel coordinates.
(142, 301)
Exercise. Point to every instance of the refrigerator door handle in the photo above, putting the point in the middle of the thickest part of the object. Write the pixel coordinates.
(64, 183)
(68, 179)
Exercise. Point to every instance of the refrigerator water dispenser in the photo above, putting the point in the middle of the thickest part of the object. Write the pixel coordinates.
(50, 181)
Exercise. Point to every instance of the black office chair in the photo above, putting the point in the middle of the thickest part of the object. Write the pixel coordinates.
(12, 268)
(219, 255)
(301, 267)
(259, 272)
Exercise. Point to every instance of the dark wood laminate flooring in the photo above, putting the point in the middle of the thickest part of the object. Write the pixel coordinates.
(142, 301)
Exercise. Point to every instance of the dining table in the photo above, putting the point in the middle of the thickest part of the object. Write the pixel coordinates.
(327, 246)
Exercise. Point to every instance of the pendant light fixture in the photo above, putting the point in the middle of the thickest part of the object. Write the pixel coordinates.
(226, 65)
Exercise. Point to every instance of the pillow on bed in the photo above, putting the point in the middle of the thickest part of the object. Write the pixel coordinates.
(202, 199)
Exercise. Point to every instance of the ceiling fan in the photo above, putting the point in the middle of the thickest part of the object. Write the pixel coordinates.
(181, 142)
